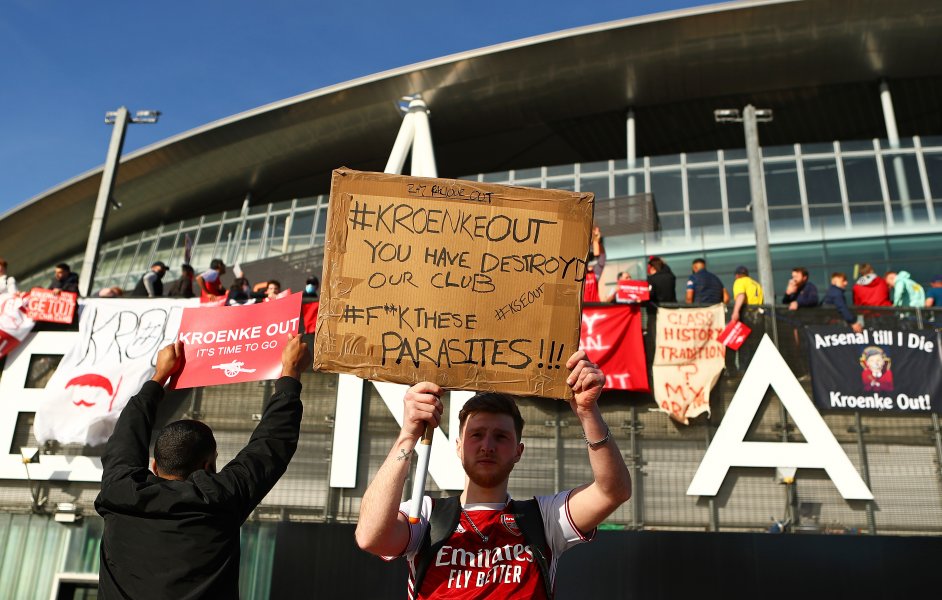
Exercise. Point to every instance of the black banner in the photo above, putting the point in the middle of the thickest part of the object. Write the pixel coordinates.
(875, 370)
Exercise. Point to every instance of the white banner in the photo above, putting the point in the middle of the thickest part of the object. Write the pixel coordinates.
(688, 359)
(116, 352)
(14, 324)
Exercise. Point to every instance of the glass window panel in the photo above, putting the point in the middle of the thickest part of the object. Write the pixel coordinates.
(863, 182)
(786, 220)
(826, 217)
(563, 183)
(306, 202)
(258, 209)
(668, 191)
(735, 154)
(867, 213)
(703, 189)
(817, 148)
(906, 142)
(706, 219)
(667, 159)
(902, 177)
(856, 145)
(283, 205)
(322, 221)
(624, 187)
(672, 224)
(560, 170)
(821, 183)
(497, 177)
(701, 157)
(207, 235)
(934, 171)
(740, 215)
(781, 184)
(930, 141)
(531, 173)
(768, 151)
(594, 167)
(596, 185)
(738, 195)
(303, 223)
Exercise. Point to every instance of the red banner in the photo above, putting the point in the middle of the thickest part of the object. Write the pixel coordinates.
(46, 305)
(611, 336)
(734, 335)
(234, 345)
(631, 291)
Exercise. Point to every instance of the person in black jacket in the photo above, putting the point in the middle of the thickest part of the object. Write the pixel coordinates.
(64, 280)
(173, 531)
(151, 285)
(835, 297)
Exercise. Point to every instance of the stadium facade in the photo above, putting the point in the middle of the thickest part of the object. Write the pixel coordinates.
(852, 168)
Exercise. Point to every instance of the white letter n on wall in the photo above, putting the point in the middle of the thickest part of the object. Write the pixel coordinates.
(728, 448)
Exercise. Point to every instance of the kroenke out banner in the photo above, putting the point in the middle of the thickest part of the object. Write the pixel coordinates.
(876, 370)
(235, 344)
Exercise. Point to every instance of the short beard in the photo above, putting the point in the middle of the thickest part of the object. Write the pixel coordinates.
(490, 479)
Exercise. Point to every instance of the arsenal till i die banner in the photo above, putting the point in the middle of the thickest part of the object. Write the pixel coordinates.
(611, 337)
(875, 370)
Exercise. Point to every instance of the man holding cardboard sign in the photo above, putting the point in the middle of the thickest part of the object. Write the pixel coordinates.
(485, 544)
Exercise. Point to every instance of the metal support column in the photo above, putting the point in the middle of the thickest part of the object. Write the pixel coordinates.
(858, 428)
(632, 150)
(892, 136)
(100, 216)
(760, 207)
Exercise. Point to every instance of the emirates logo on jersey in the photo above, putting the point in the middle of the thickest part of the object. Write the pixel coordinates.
(510, 522)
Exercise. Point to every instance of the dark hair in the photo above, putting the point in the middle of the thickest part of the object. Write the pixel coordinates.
(238, 282)
(802, 270)
(186, 268)
(699, 260)
(274, 282)
(216, 263)
(64, 267)
(838, 274)
(183, 447)
(656, 263)
(313, 281)
(866, 268)
(493, 403)
(3, 263)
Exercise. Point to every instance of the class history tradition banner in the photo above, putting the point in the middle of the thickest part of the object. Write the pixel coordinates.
(473, 286)
(876, 370)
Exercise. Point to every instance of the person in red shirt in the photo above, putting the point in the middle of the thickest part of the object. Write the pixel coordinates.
(871, 289)
(487, 555)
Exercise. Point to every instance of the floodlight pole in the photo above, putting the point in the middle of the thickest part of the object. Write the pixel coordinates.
(120, 119)
(760, 207)
(416, 134)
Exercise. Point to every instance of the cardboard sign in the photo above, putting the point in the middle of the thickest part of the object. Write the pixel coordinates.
(611, 337)
(734, 335)
(46, 305)
(688, 360)
(631, 291)
(473, 286)
(234, 345)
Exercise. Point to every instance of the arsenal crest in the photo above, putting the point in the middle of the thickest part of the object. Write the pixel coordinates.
(510, 522)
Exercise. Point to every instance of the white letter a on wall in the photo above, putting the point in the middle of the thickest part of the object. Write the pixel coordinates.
(728, 448)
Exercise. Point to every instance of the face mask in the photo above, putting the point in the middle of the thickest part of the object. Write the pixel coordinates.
(309, 288)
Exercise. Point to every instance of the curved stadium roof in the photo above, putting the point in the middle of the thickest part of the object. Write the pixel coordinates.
(551, 99)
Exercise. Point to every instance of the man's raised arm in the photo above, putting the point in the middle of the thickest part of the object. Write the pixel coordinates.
(129, 444)
(382, 529)
(257, 467)
(590, 504)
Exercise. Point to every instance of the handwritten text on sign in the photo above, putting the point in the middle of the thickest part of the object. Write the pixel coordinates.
(235, 344)
(473, 286)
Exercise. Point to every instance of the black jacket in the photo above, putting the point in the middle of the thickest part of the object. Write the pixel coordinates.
(69, 284)
(663, 288)
(180, 539)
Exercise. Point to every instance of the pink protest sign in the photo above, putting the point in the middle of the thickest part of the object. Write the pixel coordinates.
(46, 305)
(227, 344)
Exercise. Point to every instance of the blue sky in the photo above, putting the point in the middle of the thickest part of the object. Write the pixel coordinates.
(65, 63)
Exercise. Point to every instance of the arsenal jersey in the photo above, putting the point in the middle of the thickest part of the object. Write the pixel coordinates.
(487, 555)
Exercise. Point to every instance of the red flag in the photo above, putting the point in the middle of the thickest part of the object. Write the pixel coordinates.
(234, 345)
(734, 335)
(611, 337)
(309, 313)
